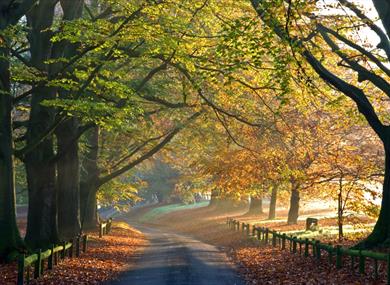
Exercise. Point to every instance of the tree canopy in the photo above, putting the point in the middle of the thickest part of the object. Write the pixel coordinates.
(245, 98)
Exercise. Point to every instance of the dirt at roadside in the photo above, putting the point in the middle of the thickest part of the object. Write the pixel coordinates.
(104, 260)
(262, 265)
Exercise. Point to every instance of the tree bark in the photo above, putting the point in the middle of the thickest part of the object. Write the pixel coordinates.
(67, 141)
(340, 209)
(88, 206)
(41, 177)
(255, 206)
(381, 232)
(40, 169)
(293, 212)
(68, 180)
(383, 9)
(9, 233)
(272, 205)
(89, 180)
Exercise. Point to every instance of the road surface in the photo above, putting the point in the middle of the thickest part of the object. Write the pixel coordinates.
(173, 259)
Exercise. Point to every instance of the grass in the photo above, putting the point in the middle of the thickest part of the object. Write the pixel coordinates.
(159, 211)
(331, 232)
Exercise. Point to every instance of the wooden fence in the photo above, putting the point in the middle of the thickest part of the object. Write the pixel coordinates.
(52, 255)
(314, 248)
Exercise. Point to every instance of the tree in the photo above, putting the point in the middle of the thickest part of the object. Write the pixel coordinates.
(160, 180)
(272, 205)
(9, 238)
(367, 66)
(352, 172)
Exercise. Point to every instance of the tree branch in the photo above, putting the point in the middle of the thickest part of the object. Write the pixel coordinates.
(357, 95)
(150, 153)
(384, 39)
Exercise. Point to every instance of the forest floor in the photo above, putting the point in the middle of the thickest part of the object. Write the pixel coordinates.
(104, 260)
(265, 265)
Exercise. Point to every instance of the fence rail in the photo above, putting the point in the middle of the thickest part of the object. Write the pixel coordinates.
(313, 247)
(52, 255)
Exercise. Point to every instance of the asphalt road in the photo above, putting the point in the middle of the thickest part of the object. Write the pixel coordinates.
(173, 259)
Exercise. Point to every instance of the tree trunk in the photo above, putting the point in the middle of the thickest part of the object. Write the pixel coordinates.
(340, 226)
(255, 206)
(68, 169)
(89, 178)
(214, 198)
(41, 172)
(340, 209)
(293, 213)
(88, 204)
(380, 235)
(272, 204)
(9, 234)
(41, 176)
(42, 195)
(68, 180)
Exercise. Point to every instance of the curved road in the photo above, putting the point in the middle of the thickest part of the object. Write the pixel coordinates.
(173, 259)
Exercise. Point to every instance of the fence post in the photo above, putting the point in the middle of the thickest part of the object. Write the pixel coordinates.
(100, 230)
(339, 257)
(266, 235)
(263, 235)
(376, 274)
(306, 247)
(248, 229)
(330, 254)
(388, 268)
(279, 240)
(294, 245)
(362, 263)
(56, 258)
(63, 252)
(314, 248)
(51, 258)
(85, 240)
(78, 246)
(71, 248)
(273, 239)
(284, 241)
(38, 265)
(318, 250)
(21, 269)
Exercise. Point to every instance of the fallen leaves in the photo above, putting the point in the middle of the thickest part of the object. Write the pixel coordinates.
(266, 265)
(104, 260)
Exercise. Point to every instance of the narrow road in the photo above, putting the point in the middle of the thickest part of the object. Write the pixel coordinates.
(173, 259)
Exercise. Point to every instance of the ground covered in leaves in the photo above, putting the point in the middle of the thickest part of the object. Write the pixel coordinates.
(104, 260)
(264, 264)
